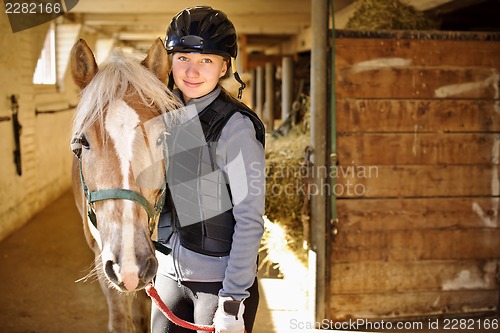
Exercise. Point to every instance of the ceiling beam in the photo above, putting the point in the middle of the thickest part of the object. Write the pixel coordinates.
(164, 19)
(246, 24)
(242, 30)
(233, 7)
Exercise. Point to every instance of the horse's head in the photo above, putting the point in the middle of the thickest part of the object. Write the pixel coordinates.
(120, 126)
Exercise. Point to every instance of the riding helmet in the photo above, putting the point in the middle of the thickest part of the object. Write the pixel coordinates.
(202, 29)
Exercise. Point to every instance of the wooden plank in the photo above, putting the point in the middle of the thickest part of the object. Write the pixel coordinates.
(417, 148)
(418, 276)
(417, 52)
(344, 307)
(389, 115)
(385, 215)
(417, 82)
(378, 181)
(413, 245)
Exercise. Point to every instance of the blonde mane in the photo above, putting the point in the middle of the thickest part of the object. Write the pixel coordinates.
(111, 83)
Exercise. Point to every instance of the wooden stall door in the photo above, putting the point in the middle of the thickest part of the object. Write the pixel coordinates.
(418, 123)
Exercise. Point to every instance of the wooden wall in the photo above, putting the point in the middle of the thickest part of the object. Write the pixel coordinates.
(418, 130)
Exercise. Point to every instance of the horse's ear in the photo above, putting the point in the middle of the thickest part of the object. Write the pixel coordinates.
(157, 60)
(83, 65)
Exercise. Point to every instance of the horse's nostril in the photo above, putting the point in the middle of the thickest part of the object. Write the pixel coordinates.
(110, 272)
(150, 268)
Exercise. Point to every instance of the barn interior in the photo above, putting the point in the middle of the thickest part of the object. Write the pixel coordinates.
(403, 119)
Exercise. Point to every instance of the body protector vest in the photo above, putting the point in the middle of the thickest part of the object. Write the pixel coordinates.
(199, 198)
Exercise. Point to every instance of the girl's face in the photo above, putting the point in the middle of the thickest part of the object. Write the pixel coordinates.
(197, 74)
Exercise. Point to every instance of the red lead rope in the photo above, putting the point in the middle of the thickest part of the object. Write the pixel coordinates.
(151, 291)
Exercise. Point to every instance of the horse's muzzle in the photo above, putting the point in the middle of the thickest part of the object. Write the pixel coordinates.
(131, 281)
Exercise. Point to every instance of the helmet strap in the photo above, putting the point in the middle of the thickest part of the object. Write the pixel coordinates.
(237, 77)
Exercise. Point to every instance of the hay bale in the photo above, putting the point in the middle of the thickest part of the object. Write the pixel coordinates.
(286, 184)
(389, 15)
(285, 177)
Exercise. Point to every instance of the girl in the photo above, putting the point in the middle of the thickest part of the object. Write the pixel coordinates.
(212, 225)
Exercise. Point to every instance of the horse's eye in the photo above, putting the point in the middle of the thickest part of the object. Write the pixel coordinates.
(161, 139)
(85, 143)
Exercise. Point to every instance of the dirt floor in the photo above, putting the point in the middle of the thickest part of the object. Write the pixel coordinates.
(39, 265)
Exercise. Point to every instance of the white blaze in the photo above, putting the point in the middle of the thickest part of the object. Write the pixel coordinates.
(121, 121)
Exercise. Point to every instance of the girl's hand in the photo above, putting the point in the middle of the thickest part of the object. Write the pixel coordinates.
(229, 316)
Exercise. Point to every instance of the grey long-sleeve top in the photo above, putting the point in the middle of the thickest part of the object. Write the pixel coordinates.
(241, 156)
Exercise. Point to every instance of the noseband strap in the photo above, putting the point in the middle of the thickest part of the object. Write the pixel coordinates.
(121, 193)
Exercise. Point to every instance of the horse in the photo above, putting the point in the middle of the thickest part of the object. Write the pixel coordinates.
(119, 172)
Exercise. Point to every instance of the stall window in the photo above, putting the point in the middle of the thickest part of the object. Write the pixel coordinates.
(45, 72)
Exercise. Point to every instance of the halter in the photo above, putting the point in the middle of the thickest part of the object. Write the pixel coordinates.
(120, 193)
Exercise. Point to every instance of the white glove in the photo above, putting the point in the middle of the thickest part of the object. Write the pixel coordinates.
(229, 316)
